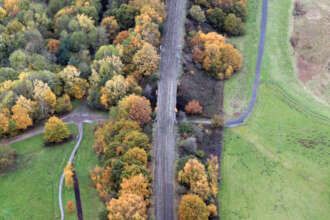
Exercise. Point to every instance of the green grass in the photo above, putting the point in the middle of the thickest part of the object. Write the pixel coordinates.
(277, 165)
(31, 190)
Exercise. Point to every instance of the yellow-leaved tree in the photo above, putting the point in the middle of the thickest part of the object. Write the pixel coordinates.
(55, 131)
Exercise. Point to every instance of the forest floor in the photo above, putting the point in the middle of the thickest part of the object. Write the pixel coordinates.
(276, 166)
(30, 191)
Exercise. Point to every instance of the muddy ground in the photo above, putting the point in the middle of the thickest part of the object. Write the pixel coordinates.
(311, 43)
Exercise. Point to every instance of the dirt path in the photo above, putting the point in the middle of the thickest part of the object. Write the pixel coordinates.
(80, 114)
(240, 120)
(169, 68)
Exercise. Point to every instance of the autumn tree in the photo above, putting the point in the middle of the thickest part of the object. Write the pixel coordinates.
(101, 180)
(53, 46)
(216, 56)
(114, 90)
(135, 156)
(213, 169)
(192, 207)
(197, 13)
(73, 84)
(194, 108)
(63, 104)
(4, 124)
(194, 176)
(68, 175)
(56, 131)
(12, 7)
(45, 97)
(136, 108)
(146, 60)
(127, 206)
(137, 185)
(212, 210)
(110, 24)
(21, 117)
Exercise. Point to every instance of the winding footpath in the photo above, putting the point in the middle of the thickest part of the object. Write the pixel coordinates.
(73, 153)
(170, 65)
(241, 119)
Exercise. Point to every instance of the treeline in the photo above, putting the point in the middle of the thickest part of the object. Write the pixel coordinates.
(52, 52)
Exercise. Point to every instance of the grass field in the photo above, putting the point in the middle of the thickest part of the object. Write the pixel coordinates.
(31, 190)
(277, 165)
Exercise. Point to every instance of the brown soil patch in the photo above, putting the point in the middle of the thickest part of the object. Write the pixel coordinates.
(307, 70)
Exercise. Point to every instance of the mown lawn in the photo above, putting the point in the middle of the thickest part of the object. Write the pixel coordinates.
(31, 190)
(277, 165)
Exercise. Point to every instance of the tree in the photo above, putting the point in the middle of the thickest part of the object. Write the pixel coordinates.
(45, 97)
(110, 24)
(53, 46)
(21, 117)
(12, 7)
(137, 185)
(68, 175)
(55, 131)
(216, 17)
(18, 60)
(63, 104)
(127, 206)
(146, 60)
(125, 15)
(194, 175)
(135, 156)
(197, 13)
(212, 210)
(4, 122)
(233, 25)
(147, 28)
(192, 207)
(135, 138)
(114, 90)
(194, 108)
(136, 108)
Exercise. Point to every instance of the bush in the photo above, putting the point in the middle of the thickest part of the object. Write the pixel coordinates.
(217, 121)
(192, 207)
(193, 108)
(186, 128)
(56, 131)
(197, 13)
(70, 206)
(135, 156)
(7, 157)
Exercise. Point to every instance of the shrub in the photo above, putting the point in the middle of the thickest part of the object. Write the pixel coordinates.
(70, 206)
(193, 108)
(7, 157)
(212, 210)
(68, 174)
(137, 185)
(56, 131)
(217, 121)
(213, 169)
(192, 207)
(186, 128)
(197, 13)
